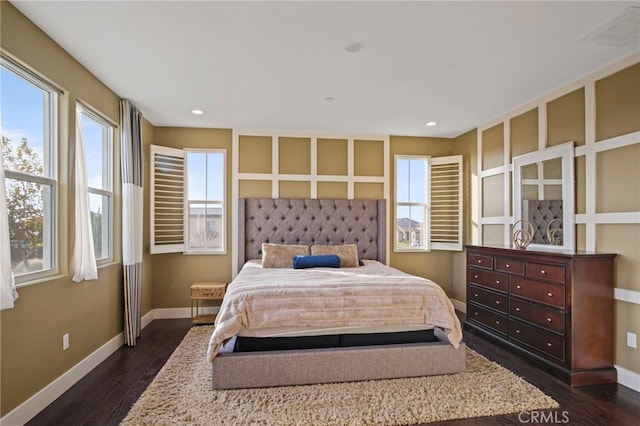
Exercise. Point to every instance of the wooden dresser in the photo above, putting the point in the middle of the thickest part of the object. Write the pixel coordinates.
(555, 308)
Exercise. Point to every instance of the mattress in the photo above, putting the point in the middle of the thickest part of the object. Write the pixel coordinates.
(253, 344)
(328, 298)
(323, 331)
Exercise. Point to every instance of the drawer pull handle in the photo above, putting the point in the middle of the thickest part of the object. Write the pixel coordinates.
(550, 294)
(475, 313)
(498, 322)
(543, 272)
(497, 281)
(549, 344)
(518, 286)
(507, 265)
(517, 309)
(497, 302)
(517, 331)
(475, 294)
(548, 319)
(475, 276)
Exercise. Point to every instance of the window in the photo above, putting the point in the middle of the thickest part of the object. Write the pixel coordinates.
(428, 203)
(29, 140)
(188, 200)
(205, 201)
(98, 148)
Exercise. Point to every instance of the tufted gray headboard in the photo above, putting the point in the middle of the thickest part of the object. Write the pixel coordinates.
(311, 221)
(540, 213)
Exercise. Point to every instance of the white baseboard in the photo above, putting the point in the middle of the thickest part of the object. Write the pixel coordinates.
(32, 406)
(628, 378)
(172, 313)
(147, 318)
(460, 306)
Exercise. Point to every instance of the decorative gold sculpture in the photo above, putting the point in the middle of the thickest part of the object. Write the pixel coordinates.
(522, 237)
(554, 235)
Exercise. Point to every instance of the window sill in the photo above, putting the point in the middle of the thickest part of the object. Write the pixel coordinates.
(41, 280)
(200, 253)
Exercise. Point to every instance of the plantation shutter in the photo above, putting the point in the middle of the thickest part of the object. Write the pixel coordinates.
(446, 203)
(167, 199)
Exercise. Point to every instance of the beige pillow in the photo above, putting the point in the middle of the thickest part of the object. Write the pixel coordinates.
(281, 255)
(348, 253)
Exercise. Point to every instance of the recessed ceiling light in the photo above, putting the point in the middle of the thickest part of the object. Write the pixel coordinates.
(197, 111)
(329, 99)
(430, 123)
(354, 47)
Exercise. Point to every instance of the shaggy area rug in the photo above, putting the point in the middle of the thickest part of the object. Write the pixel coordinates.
(181, 395)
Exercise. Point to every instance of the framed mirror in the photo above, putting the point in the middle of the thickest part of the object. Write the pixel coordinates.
(543, 197)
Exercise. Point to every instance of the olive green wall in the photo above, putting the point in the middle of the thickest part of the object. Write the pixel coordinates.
(467, 146)
(615, 170)
(173, 273)
(435, 265)
(90, 311)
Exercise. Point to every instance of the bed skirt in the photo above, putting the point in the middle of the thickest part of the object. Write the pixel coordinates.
(331, 365)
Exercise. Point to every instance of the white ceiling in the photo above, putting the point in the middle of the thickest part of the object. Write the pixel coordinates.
(271, 65)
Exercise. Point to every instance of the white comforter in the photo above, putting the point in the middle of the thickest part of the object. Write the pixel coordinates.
(374, 294)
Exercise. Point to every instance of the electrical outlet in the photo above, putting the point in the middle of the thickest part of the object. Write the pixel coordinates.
(631, 340)
(65, 342)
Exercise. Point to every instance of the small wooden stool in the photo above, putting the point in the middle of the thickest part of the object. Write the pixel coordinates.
(209, 290)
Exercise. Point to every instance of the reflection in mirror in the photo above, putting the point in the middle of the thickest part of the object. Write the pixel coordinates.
(542, 200)
(543, 195)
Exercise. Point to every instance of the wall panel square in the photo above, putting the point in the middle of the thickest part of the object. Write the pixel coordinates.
(618, 103)
(255, 154)
(493, 196)
(368, 190)
(295, 189)
(369, 158)
(332, 157)
(255, 188)
(565, 119)
(332, 190)
(618, 180)
(524, 133)
(493, 147)
(294, 156)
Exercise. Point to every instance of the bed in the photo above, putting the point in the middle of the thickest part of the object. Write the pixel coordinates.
(359, 321)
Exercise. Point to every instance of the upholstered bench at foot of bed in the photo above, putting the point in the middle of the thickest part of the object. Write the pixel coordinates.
(311, 366)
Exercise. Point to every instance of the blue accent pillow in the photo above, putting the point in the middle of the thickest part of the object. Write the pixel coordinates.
(317, 261)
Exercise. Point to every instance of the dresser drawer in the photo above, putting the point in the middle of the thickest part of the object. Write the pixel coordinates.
(549, 294)
(487, 298)
(512, 266)
(544, 341)
(555, 273)
(489, 279)
(481, 261)
(487, 318)
(547, 318)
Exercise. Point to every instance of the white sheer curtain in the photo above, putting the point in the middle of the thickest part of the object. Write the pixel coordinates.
(83, 260)
(8, 293)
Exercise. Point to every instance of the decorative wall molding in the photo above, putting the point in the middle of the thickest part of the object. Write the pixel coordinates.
(275, 177)
(624, 295)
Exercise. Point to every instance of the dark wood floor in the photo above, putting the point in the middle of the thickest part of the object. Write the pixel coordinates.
(106, 394)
